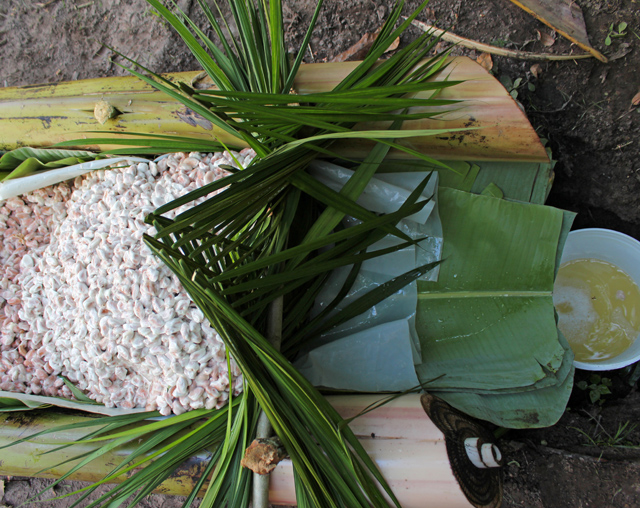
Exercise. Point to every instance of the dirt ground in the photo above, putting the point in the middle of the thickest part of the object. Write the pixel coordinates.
(591, 458)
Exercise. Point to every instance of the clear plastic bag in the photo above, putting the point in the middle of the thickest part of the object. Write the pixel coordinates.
(377, 350)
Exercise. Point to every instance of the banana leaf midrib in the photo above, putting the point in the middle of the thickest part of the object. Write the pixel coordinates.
(482, 293)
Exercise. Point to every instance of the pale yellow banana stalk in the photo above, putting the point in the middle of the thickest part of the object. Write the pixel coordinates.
(43, 115)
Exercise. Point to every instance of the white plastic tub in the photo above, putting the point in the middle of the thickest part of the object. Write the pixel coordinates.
(620, 250)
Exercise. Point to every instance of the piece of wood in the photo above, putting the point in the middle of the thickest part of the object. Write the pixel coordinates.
(565, 17)
(408, 448)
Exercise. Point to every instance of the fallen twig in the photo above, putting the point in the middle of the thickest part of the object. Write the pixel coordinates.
(46, 4)
(494, 50)
(561, 108)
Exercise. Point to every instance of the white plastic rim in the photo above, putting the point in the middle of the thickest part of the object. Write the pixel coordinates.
(41, 179)
(619, 250)
(482, 455)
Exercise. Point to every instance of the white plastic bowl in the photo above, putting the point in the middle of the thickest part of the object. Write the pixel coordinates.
(619, 250)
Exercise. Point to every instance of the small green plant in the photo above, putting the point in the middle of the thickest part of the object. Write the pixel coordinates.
(614, 33)
(618, 439)
(501, 43)
(622, 434)
(512, 86)
(597, 387)
(631, 374)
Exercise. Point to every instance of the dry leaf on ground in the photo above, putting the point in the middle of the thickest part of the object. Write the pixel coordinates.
(440, 47)
(394, 45)
(536, 70)
(429, 13)
(546, 39)
(565, 17)
(623, 50)
(636, 99)
(485, 60)
(360, 49)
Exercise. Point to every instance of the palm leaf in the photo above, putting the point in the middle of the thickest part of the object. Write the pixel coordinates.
(233, 316)
(272, 75)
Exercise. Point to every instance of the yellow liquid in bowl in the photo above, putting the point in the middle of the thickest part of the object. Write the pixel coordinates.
(598, 307)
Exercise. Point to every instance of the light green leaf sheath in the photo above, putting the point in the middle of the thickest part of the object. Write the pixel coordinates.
(26, 161)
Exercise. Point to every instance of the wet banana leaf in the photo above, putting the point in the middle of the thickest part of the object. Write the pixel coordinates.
(521, 181)
(488, 325)
(533, 409)
(492, 190)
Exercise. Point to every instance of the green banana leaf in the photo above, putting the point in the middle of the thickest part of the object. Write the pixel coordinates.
(525, 410)
(488, 325)
(493, 191)
(536, 408)
(498, 273)
(26, 161)
(521, 181)
(464, 180)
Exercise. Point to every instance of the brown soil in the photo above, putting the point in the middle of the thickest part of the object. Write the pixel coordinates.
(19, 490)
(583, 107)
